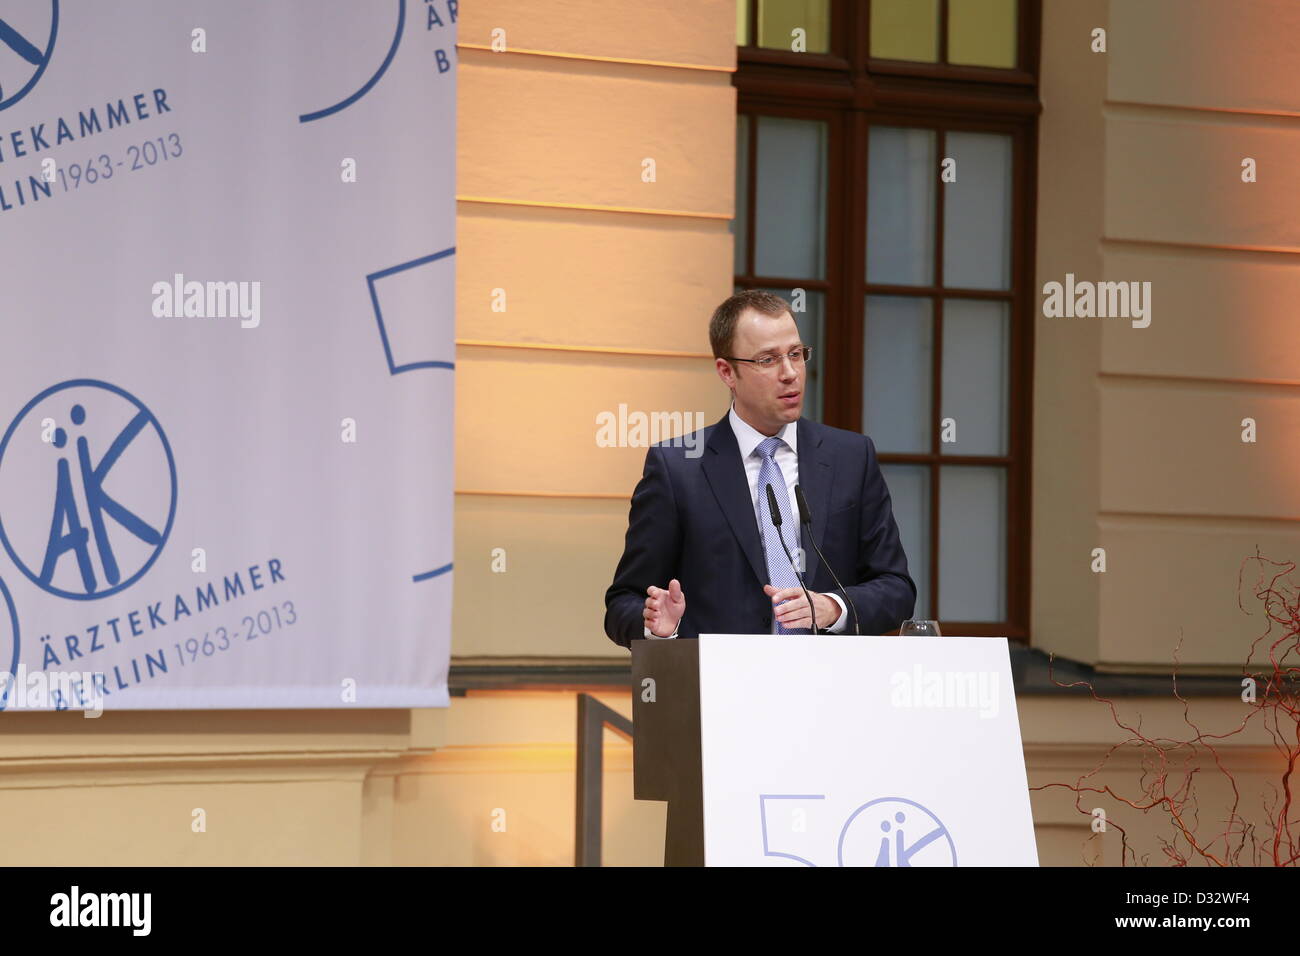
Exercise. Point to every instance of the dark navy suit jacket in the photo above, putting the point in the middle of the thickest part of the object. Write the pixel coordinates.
(693, 519)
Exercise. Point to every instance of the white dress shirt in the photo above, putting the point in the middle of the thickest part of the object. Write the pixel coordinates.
(787, 459)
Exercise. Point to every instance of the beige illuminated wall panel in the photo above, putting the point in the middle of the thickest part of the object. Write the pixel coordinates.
(1138, 431)
(581, 287)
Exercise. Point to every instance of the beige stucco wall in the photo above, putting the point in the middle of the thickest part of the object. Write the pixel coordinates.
(619, 290)
(1137, 444)
(1137, 431)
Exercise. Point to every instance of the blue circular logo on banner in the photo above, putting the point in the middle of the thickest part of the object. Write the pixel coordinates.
(26, 45)
(893, 831)
(87, 490)
(375, 77)
(8, 641)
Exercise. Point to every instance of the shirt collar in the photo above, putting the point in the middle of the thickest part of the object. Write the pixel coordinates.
(748, 437)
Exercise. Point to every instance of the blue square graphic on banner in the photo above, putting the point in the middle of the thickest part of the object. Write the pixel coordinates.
(404, 297)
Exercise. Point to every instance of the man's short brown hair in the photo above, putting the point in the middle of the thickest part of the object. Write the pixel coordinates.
(722, 327)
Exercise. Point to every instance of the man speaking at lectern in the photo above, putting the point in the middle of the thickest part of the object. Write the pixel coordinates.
(702, 554)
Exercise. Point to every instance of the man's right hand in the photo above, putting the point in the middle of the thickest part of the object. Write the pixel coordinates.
(664, 609)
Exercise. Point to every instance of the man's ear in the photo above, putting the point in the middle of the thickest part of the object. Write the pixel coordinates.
(725, 372)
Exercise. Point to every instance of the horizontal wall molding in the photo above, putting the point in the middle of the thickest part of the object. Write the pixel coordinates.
(591, 349)
(1281, 387)
(491, 676)
(1227, 523)
(51, 770)
(591, 58)
(1043, 758)
(1182, 249)
(519, 759)
(504, 493)
(1221, 115)
(586, 207)
(544, 660)
(1032, 672)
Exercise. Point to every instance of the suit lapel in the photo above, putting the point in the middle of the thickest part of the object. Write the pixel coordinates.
(815, 474)
(725, 473)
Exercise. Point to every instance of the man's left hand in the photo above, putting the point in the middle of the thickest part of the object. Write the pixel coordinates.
(794, 611)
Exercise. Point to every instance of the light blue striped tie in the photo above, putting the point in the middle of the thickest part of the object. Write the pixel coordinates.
(779, 572)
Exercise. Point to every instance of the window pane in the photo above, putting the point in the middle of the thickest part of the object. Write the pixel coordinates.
(742, 22)
(977, 212)
(909, 489)
(901, 174)
(808, 309)
(976, 357)
(790, 227)
(905, 30)
(898, 345)
(740, 225)
(777, 19)
(982, 32)
(972, 544)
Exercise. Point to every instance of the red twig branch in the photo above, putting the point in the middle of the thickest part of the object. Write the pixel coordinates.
(1169, 766)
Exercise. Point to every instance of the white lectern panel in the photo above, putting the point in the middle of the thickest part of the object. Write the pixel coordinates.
(862, 751)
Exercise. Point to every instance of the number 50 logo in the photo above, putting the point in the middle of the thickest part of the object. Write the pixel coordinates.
(888, 831)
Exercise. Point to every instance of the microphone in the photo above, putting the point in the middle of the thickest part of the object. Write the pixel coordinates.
(775, 513)
(805, 517)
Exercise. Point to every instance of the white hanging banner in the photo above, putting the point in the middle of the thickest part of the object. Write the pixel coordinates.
(226, 368)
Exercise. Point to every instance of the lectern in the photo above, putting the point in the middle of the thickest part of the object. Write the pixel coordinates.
(666, 741)
(832, 750)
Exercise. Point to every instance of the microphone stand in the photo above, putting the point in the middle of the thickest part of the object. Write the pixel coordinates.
(805, 518)
(774, 512)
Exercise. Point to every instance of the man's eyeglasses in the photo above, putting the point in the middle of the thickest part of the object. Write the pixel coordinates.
(798, 356)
